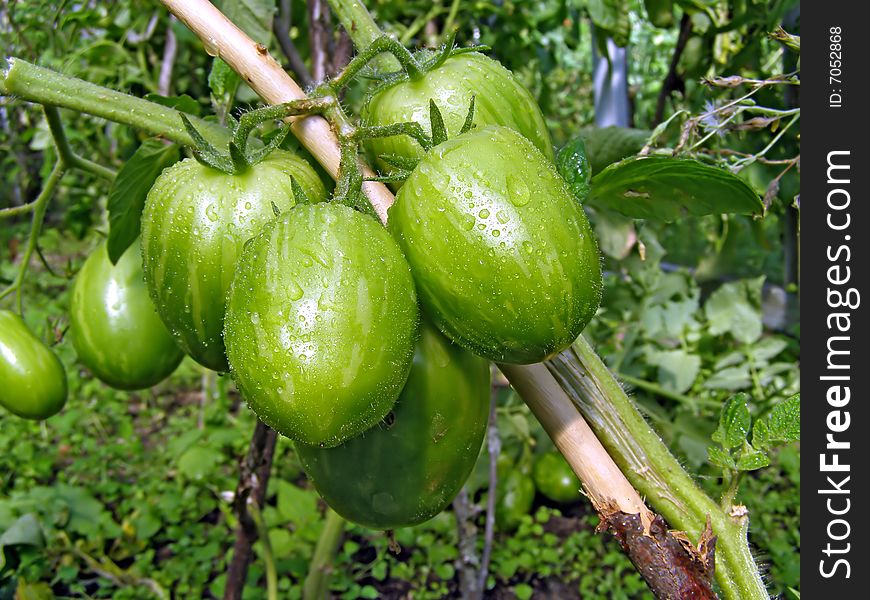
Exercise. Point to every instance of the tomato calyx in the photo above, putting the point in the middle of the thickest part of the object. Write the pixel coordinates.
(240, 157)
(403, 166)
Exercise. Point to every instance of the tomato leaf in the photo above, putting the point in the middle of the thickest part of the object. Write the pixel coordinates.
(254, 17)
(719, 457)
(664, 188)
(751, 459)
(183, 103)
(607, 145)
(734, 422)
(127, 196)
(574, 167)
(784, 422)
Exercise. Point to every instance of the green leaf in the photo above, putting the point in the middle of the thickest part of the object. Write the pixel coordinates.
(198, 462)
(131, 186)
(184, 103)
(760, 435)
(574, 167)
(664, 188)
(523, 591)
(25, 531)
(223, 81)
(254, 17)
(784, 421)
(720, 458)
(660, 12)
(607, 145)
(731, 379)
(677, 368)
(613, 16)
(296, 505)
(616, 234)
(751, 459)
(734, 422)
(734, 308)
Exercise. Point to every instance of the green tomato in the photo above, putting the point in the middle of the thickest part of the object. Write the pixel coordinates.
(32, 378)
(515, 494)
(502, 253)
(499, 99)
(114, 325)
(195, 222)
(555, 479)
(321, 322)
(410, 467)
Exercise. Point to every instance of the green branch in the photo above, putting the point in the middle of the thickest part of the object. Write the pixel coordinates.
(653, 470)
(44, 86)
(362, 29)
(316, 586)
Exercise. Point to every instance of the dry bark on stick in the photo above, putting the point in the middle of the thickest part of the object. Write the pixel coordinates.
(252, 485)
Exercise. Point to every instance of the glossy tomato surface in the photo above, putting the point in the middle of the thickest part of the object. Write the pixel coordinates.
(195, 222)
(499, 99)
(555, 479)
(114, 325)
(502, 253)
(409, 467)
(32, 378)
(321, 323)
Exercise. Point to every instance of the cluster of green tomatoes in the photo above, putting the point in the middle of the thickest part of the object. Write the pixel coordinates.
(368, 346)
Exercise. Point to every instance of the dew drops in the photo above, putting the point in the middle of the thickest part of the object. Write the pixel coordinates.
(483, 214)
(294, 291)
(518, 191)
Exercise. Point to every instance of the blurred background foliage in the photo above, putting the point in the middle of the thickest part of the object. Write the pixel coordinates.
(130, 489)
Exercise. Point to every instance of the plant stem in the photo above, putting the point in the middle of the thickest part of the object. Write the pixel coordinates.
(64, 151)
(268, 557)
(362, 29)
(36, 84)
(39, 207)
(651, 468)
(316, 586)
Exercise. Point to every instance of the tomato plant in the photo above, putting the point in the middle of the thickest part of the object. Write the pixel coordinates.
(194, 224)
(504, 259)
(409, 468)
(114, 326)
(32, 378)
(499, 100)
(321, 322)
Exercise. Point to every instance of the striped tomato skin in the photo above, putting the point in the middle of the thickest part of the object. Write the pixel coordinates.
(32, 379)
(195, 222)
(321, 323)
(505, 261)
(499, 99)
(114, 326)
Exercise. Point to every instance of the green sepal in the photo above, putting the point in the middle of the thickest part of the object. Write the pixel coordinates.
(469, 118)
(439, 130)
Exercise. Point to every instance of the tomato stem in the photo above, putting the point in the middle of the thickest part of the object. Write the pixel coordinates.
(653, 470)
(316, 583)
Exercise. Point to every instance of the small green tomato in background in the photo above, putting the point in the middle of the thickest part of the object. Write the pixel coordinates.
(408, 468)
(505, 261)
(114, 326)
(321, 323)
(555, 479)
(195, 222)
(32, 378)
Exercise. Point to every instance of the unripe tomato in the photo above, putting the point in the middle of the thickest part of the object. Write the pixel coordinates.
(515, 494)
(321, 322)
(32, 378)
(409, 468)
(114, 325)
(499, 99)
(555, 479)
(502, 253)
(194, 224)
